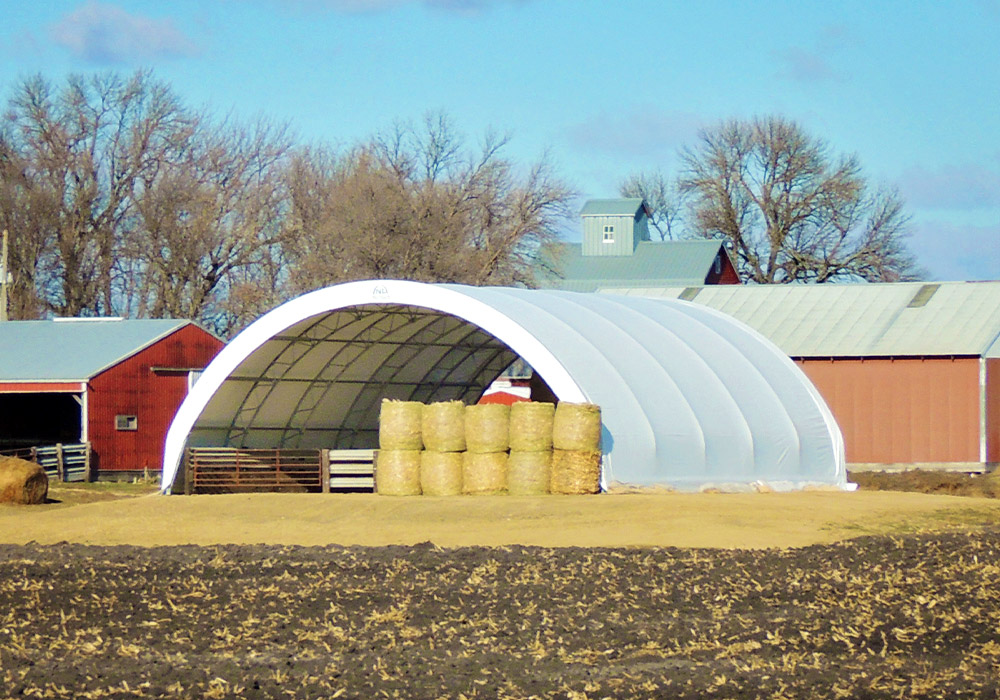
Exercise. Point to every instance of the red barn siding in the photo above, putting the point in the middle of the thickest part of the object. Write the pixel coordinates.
(727, 275)
(993, 410)
(132, 388)
(902, 410)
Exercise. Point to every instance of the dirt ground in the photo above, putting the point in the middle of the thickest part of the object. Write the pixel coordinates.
(612, 520)
(937, 482)
(117, 592)
(875, 617)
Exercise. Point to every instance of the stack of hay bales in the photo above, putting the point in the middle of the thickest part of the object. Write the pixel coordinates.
(486, 442)
(448, 448)
(530, 461)
(400, 443)
(441, 462)
(576, 457)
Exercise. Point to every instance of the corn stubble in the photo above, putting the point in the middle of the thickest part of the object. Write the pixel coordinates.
(916, 616)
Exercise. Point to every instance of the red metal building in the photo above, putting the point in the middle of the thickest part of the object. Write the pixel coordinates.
(111, 382)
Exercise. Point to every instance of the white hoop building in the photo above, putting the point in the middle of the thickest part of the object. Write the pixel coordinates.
(689, 397)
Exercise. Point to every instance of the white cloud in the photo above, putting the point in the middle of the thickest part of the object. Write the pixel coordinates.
(952, 251)
(644, 131)
(968, 186)
(105, 33)
(814, 64)
(372, 6)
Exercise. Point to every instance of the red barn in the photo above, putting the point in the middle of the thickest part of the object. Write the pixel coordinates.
(114, 383)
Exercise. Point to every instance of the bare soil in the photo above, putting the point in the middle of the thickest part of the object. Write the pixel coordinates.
(874, 617)
(936, 482)
(874, 594)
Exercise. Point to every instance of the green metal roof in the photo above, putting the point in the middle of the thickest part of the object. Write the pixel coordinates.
(653, 264)
(612, 207)
(74, 349)
(858, 320)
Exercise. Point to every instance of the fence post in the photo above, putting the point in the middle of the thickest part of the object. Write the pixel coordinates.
(60, 463)
(188, 472)
(34, 454)
(87, 475)
(324, 470)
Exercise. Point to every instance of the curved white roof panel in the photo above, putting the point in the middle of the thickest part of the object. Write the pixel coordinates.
(689, 396)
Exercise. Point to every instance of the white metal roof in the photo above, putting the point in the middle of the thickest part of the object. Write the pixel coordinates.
(859, 320)
(689, 397)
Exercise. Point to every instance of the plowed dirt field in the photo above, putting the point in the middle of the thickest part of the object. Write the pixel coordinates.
(808, 595)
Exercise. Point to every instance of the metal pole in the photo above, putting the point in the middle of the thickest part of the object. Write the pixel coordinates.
(3, 277)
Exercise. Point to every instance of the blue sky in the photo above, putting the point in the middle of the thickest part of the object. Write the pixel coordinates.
(608, 88)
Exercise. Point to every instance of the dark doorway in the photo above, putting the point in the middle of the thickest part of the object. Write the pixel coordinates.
(29, 420)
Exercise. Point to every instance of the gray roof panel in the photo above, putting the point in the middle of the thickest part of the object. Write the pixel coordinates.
(859, 320)
(628, 206)
(73, 349)
(654, 263)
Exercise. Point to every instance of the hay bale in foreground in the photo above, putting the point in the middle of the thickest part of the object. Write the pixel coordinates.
(576, 426)
(486, 427)
(399, 425)
(443, 426)
(575, 471)
(528, 473)
(441, 473)
(531, 426)
(397, 473)
(484, 473)
(22, 482)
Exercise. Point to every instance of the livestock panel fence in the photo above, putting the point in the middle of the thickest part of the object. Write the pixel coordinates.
(238, 470)
(61, 462)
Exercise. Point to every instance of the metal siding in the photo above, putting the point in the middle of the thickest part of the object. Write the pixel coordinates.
(591, 237)
(902, 410)
(993, 410)
(623, 235)
(860, 320)
(131, 388)
(641, 228)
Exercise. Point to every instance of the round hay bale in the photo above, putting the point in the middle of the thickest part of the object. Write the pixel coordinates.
(531, 426)
(397, 473)
(486, 427)
(443, 426)
(484, 473)
(399, 425)
(22, 482)
(528, 473)
(441, 473)
(575, 471)
(576, 426)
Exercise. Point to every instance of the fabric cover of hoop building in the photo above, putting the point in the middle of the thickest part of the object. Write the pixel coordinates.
(690, 397)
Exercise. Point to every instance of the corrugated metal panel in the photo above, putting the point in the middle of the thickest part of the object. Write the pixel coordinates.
(859, 320)
(681, 263)
(903, 411)
(993, 411)
(628, 206)
(622, 234)
(88, 346)
(131, 388)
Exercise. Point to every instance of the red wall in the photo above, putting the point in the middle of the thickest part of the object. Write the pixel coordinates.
(728, 274)
(132, 388)
(902, 410)
(993, 410)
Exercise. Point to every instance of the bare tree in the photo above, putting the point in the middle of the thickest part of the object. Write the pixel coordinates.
(414, 203)
(210, 221)
(791, 211)
(664, 198)
(79, 153)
